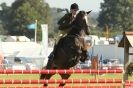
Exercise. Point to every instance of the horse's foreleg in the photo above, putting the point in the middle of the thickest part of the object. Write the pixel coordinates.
(64, 76)
(83, 56)
(47, 76)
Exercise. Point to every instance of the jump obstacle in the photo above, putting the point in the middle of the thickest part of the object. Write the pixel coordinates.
(89, 71)
(72, 87)
(68, 81)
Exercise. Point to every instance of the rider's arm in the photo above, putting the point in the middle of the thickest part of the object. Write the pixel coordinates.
(64, 22)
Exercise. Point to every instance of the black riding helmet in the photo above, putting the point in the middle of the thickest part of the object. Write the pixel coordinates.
(74, 6)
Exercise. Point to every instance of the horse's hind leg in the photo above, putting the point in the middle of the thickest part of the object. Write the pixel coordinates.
(64, 76)
(47, 76)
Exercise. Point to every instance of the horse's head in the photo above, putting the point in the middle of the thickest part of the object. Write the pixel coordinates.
(81, 21)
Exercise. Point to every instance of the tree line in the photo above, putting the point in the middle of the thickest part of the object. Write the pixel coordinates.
(117, 14)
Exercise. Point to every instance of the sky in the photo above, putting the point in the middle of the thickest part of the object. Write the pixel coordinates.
(86, 5)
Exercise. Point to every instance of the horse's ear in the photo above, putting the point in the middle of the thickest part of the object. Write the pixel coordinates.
(88, 12)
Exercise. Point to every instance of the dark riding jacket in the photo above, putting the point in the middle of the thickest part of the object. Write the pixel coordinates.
(66, 22)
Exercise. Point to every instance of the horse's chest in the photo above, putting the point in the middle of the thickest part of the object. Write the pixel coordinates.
(73, 43)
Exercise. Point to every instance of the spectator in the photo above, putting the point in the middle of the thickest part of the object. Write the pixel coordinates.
(1, 60)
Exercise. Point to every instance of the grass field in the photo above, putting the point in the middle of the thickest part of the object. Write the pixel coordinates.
(73, 76)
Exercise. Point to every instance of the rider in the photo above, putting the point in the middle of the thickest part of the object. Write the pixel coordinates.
(65, 23)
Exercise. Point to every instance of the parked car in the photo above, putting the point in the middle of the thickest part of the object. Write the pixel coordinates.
(24, 63)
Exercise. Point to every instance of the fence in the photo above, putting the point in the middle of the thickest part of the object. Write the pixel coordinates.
(128, 84)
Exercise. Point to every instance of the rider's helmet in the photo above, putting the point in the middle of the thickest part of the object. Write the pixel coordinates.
(74, 6)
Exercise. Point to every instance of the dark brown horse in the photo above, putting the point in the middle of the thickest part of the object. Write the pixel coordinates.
(70, 49)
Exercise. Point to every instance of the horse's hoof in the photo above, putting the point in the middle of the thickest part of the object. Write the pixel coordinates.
(45, 85)
(61, 85)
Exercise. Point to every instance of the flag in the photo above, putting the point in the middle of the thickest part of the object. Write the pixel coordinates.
(32, 26)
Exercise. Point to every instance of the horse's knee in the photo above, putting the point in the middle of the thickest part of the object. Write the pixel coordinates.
(45, 85)
(85, 53)
(65, 76)
(62, 84)
(42, 76)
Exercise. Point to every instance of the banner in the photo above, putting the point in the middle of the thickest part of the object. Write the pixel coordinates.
(44, 28)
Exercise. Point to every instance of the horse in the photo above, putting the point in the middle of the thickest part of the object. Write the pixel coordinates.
(70, 49)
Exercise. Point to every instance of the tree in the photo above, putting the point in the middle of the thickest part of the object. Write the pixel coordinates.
(117, 14)
(2, 29)
(4, 18)
(25, 12)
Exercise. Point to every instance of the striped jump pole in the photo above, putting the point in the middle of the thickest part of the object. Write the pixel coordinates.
(91, 81)
(72, 87)
(128, 84)
(89, 71)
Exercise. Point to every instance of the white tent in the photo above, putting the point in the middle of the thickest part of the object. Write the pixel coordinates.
(21, 49)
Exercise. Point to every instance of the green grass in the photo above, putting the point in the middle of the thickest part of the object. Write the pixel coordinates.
(73, 76)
